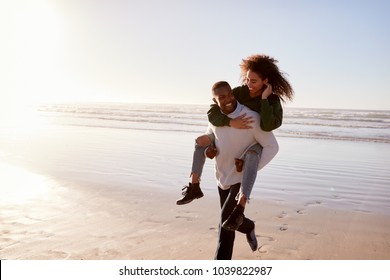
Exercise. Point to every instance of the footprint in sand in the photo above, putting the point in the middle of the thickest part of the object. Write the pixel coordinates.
(5, 239)
(283, 227)
(268, 238)
(190, 219)
(263, 249)
(282, 215)
(58, 254)
(317, 202)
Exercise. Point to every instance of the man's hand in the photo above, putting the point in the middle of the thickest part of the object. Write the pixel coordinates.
(211, 151)
(241, 122)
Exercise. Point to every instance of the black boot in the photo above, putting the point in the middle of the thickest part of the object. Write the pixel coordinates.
(235, 219)
(190, 193)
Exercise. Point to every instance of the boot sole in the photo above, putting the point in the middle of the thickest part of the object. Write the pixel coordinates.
(231, 227)
(253, 243)
(180, 202)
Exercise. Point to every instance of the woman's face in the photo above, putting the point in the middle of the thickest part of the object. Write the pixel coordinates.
(254, 82)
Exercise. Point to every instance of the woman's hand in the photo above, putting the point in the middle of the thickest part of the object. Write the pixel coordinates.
(241, 122)
(267, 91)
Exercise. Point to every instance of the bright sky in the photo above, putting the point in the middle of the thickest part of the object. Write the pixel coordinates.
(336, 53)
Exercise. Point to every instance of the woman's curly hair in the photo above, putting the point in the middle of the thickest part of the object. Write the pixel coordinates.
(266, 67)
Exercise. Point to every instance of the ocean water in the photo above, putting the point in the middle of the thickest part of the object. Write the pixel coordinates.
(348, 125)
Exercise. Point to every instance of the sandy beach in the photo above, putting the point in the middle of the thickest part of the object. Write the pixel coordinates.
(93, 193)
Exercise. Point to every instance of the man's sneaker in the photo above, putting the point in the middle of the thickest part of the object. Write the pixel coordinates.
(235, 219)
(252, 240)
(190, 193)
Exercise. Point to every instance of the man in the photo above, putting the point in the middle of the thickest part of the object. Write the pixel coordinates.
(232, 143)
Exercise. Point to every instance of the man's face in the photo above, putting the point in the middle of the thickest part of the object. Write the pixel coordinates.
(225, 100)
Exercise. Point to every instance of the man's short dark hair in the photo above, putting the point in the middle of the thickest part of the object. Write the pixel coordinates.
(220, 84)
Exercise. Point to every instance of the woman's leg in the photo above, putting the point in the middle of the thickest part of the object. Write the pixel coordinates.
(199, 157)
(193, 191)
(251, 163)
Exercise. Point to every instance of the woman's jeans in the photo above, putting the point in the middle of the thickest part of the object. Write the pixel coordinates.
(251, 162)
(226, 237)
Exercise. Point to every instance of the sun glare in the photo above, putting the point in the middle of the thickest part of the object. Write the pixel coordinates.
(19, 185)
(21, 120)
